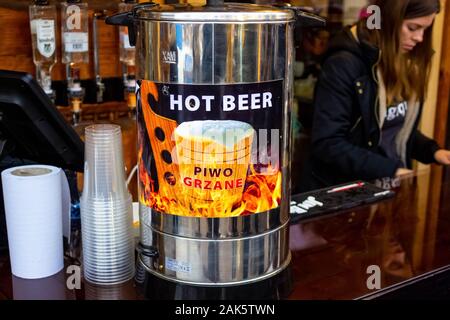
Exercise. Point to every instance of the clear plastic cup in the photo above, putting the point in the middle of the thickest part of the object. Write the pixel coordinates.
(119, 206)
(103, 241)
(106, 280)
(104, 175)
(103, 265)
(106, 209)
(102, 244)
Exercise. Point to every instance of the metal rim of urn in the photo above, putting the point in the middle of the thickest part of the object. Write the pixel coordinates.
(221, 284)
(212, 262)
(215, 228)
(229, 13)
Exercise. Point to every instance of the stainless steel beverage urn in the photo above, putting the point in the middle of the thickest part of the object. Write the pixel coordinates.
(214, 97)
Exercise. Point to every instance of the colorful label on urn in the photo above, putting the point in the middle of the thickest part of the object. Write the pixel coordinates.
(210, 150)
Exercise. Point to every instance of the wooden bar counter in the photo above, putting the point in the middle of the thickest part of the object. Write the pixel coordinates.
(406, 239)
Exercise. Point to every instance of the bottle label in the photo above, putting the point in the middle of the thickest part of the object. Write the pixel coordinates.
(126, 41)
(45, 32)
(76, 42)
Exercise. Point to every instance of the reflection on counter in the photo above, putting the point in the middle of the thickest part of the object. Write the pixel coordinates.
(50, 288)
(125, 291)
(405, 237)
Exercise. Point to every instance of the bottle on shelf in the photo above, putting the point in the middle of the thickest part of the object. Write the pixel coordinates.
(76, 95)
(98, 16)
(75, 32)
(75, 50)
(43, 34)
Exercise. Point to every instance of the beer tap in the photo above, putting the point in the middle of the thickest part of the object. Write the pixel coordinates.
(43, 24)
(98, 15)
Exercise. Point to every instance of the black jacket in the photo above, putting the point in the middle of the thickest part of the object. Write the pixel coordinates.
(346, 129)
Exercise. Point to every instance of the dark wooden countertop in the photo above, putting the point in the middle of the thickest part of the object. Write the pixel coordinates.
(407, 237)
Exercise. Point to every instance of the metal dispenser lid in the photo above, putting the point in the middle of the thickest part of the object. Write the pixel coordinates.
(216, 11)
(223, 13)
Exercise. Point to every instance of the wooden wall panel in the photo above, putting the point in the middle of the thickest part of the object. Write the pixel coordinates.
(16, 52)
(15, 49)
(429, 118)
(443, 98)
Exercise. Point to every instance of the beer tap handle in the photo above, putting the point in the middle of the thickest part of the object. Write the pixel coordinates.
(127, 19)
(147, 251)
(305, 18)
(309, 20)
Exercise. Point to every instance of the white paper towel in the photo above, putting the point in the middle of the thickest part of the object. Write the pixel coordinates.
(35, 200)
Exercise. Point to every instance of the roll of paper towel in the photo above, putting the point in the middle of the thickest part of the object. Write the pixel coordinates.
(36, 199)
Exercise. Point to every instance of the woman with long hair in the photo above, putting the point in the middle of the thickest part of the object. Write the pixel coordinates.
(369, 98)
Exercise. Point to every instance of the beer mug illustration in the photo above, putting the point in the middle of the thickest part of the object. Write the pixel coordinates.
(213, 159)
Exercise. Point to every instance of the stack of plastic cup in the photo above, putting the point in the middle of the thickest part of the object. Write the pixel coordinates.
(106, 209)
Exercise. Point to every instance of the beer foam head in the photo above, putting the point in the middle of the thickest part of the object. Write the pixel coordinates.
(225, 132)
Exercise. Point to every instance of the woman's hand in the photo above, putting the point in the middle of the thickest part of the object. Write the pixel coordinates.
(403, 173)
(442, 157)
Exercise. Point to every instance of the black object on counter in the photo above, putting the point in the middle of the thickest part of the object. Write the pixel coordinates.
(318, 203)
(32, 131)
(32, 128)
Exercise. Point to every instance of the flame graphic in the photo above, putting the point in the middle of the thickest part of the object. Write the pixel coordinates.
(262, 192)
